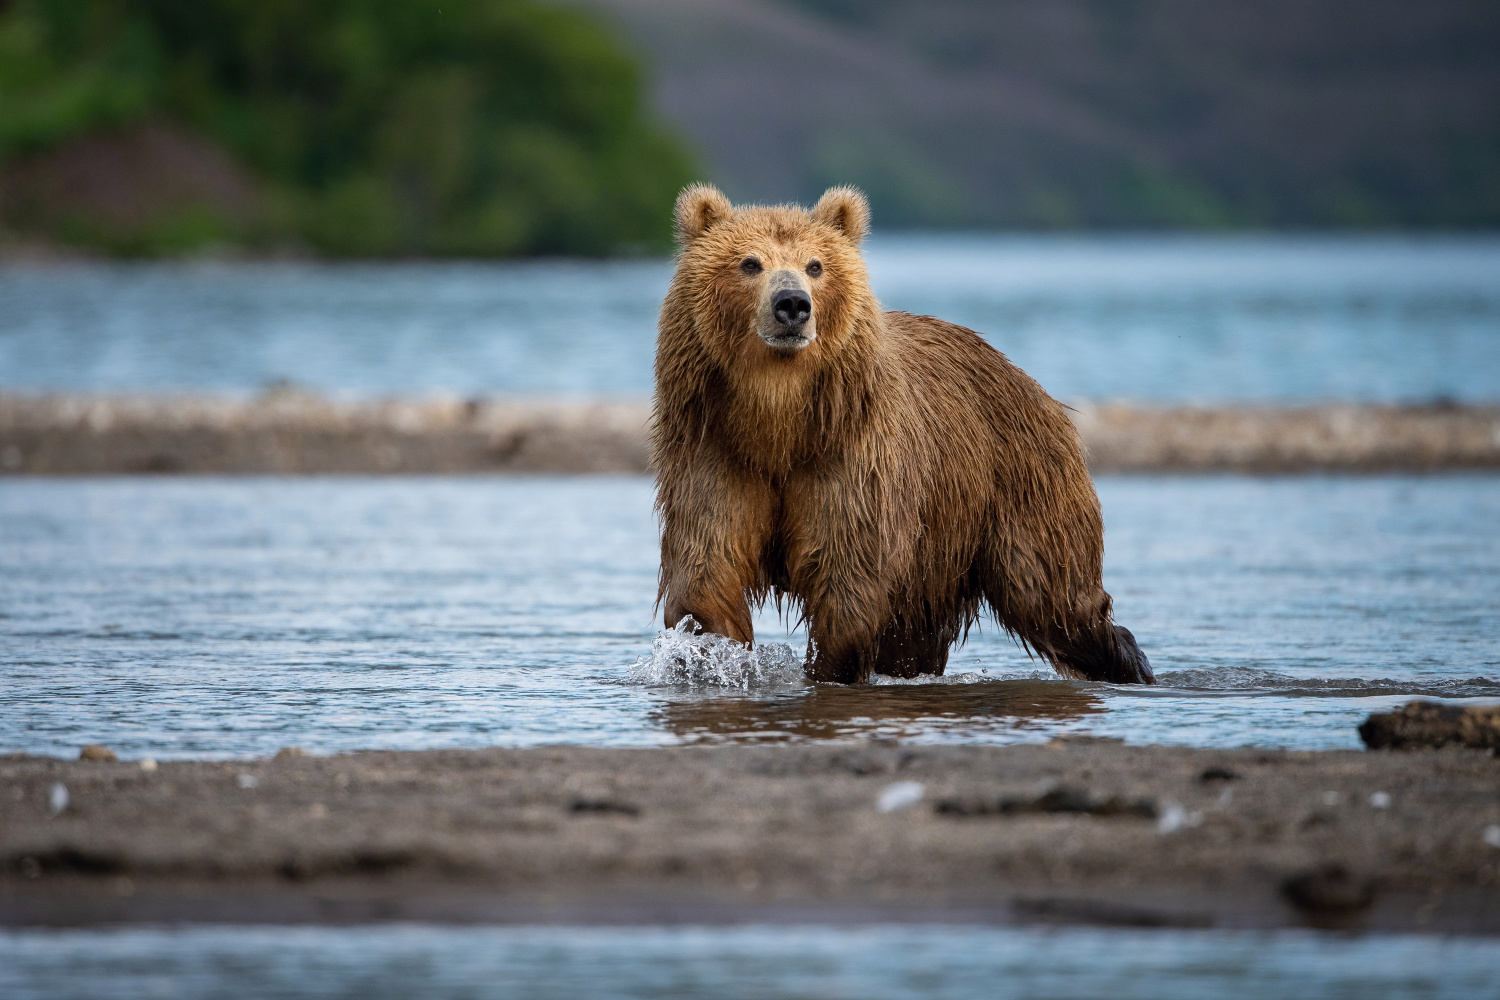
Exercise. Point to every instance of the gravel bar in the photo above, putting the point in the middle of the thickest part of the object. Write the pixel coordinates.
(1074, 831)
(294, 432)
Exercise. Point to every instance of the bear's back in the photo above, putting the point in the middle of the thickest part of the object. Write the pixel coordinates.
(957, 380)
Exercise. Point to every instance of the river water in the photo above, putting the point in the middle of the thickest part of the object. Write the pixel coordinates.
(183, 617)
(1206, 319)
(757, 962)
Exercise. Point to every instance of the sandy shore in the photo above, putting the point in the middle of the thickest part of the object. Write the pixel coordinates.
(293, 432)
(1075, 831)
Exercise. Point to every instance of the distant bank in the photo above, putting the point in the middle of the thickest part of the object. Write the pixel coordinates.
(291, 433)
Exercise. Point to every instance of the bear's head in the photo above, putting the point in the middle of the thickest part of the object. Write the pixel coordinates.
(771, 285)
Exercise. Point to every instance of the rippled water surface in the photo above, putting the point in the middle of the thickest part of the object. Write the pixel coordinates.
(231, 617)
(1206, 318)
(685, 963)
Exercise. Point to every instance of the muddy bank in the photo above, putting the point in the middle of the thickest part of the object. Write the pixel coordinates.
(1074, 831)
(294, 432)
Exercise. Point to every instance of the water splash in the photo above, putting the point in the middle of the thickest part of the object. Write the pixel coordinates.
(679, 658)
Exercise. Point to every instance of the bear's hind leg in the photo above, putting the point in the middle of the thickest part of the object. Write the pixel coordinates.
(1105, 652)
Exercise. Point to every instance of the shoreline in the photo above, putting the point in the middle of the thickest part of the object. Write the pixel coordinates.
(1078, 831)
(290, 432)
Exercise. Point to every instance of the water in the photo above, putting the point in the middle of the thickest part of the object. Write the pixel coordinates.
(232, 617)
(1166, 319)
(757, 962)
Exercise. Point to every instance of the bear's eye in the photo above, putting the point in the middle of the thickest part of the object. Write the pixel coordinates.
(750, 265)
(815, 268)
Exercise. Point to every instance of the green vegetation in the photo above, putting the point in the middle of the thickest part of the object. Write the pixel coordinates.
(366, 127)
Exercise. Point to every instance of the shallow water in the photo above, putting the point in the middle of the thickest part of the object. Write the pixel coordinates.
(1183, 318)
(232, 617)
(658, 963)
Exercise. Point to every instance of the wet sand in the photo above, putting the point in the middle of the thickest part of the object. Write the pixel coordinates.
(292, 432)
(1076, 831)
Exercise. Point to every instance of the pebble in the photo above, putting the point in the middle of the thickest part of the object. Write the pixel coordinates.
(247, 781)
(900, 795)
(98, 752)
(1380, 800)
(57, 798)
(1329, 889)
(1492, 835)
(1174, 816)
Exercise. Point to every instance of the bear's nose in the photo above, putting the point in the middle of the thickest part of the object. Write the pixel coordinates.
(791, 307)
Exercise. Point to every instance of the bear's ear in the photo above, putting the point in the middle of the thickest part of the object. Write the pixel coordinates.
(845, 209)
(699, 207)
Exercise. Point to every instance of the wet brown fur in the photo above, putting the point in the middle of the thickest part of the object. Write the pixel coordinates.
(891, 478)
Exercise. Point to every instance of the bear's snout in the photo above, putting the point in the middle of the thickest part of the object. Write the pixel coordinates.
(786, 317)
(792, 307)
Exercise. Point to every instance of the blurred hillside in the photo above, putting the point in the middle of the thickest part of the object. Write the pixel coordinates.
(360, 127)
(1113, 113)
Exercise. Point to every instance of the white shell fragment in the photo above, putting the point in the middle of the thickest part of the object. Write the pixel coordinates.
(900, 795)
(57, 798)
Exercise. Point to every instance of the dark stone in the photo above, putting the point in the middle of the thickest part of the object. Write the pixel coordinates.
(1331, 888)
(1218, 774)
(603, 806)
(70, 860)
(1058, 800)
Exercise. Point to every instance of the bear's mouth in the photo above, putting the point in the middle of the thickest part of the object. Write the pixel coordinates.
(789, 342)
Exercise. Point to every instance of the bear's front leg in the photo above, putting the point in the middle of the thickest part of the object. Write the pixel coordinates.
(846, 542)
(714, 530)
(711, 613)
(844, 618)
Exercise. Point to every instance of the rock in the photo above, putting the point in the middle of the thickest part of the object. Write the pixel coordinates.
(1175, 816)
(287, 753)
(605, 806)
(1329, 889)
(95, 751)
(900, 795)
(1053, 801)
(1430, 724)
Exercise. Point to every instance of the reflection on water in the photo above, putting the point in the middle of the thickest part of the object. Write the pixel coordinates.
(907, 711)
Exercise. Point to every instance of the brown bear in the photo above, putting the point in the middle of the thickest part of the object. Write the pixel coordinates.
(889, 473)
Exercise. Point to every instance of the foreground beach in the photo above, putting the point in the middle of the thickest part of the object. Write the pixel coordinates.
(1075, 831)
(292, 432)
